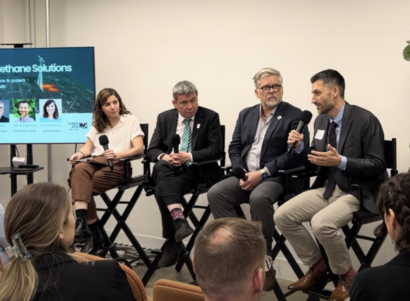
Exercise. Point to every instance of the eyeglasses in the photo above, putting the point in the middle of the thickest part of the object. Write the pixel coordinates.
(268, 263)
(267, 89)
(267, 266)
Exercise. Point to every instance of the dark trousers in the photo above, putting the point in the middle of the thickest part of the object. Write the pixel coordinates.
(171, 184)
(225, 195)
(88, 180)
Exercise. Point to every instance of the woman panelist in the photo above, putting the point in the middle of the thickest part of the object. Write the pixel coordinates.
(124, 134)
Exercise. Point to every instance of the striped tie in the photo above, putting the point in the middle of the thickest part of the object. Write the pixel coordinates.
(186, 137)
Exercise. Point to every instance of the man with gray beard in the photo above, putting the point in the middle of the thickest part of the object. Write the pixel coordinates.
(258, 146)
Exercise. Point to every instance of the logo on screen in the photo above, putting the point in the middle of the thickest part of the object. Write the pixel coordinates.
(83, 125)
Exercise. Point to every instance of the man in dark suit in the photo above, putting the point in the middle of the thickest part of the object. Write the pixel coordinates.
(347, 149)
(258, 146)
(200, 132)
(2, 117)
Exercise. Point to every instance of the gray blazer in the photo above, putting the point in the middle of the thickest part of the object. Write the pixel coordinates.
(273, 154)
(362, 143)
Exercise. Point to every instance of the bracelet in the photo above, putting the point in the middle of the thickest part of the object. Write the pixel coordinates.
(81, 153)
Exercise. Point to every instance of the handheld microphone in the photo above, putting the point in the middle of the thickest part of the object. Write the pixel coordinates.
(305, 118)
(104, 143)
(175, 141)
(239, 173)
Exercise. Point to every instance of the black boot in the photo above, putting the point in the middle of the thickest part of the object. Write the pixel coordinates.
(172, 253)
(82, 231)
(94, 244)
(182, 229)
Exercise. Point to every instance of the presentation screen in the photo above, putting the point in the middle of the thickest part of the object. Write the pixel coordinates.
(46, 94)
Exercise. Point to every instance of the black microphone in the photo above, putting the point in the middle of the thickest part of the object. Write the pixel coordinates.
(104, 143)
(239, 173)
(305, 118)
(175, 141)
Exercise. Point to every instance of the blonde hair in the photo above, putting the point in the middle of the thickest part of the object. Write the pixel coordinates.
(266, 72)
(37, 212)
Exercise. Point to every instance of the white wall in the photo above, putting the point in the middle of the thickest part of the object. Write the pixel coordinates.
(144, 47)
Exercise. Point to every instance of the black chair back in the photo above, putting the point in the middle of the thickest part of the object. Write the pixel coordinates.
(223, 160)
(144, 128)
(390, 156)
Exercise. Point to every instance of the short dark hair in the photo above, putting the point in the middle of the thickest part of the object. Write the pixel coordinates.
(331, 78)
(223, 266)
(394, 194)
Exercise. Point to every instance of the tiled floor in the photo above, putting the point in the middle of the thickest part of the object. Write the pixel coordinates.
(184, 276)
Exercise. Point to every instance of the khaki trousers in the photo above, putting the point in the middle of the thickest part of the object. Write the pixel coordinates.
(326, 218)
(88, 180)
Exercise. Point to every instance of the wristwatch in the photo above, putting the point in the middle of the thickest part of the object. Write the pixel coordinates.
(264, 174)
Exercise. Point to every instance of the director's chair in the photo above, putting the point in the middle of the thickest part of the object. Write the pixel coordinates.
(111, 210)
(189, 206)
(360, 218)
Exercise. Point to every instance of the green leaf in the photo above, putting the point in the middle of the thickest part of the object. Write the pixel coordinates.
(406, 53)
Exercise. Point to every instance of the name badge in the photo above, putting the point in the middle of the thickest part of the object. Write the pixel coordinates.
(319, 134)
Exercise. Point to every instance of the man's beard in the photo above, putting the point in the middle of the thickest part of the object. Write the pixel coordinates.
(272, 103)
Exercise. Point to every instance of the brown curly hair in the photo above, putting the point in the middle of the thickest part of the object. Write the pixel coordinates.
(394, 194)
(100, 119)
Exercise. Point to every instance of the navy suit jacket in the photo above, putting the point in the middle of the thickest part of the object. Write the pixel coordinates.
(273, 154)
(4, 119)
(361, 141)
(206, 140)
(386, 282)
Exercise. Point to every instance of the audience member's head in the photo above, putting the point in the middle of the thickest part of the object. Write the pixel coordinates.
(394, 205)
(229, 260)
(100, 118)
(50, 109)
(38, 220)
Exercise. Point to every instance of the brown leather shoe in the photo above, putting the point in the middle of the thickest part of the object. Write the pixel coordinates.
(270, 280)
(342, 289)
(307, 281)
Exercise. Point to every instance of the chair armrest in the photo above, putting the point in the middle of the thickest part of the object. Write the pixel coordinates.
(205, 162)
(291, 170)
(129, 159)
(168, 290)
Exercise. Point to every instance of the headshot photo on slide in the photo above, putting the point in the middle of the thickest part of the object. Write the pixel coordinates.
(50, 110)
(4, 110)
(24, 110)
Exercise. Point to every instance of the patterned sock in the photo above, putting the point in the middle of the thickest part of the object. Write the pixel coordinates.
(320, 265)
(350, 273)
(81, 213)
(177, 213)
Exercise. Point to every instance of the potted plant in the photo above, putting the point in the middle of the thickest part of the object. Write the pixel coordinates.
(406, 52)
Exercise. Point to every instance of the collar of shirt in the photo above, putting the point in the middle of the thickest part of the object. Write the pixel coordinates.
(339, 117)
(271, 112)
(181, 118)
